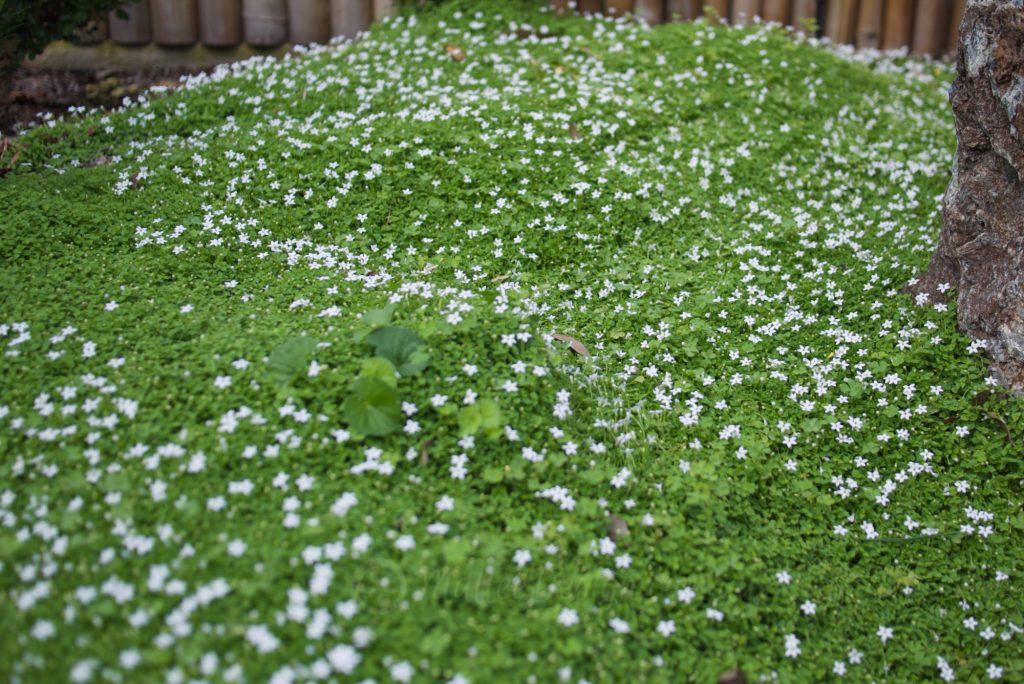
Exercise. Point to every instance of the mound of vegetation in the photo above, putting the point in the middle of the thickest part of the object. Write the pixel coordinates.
(501, 346)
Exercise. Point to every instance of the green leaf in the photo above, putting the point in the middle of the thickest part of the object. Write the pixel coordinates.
(494, 474)
(378, 317)
(456, 551)
(490, 413)
(380, 368)
(291, 358)
(470, 420)
(372, 408)
(402, 347)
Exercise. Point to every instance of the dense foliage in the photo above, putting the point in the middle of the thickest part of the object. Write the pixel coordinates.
(500, 346)
(27, 26)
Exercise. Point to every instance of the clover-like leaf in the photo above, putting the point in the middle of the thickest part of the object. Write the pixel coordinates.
(290, 358)
(372, 408)
(470, 419)
(380, 368)
(402, 347)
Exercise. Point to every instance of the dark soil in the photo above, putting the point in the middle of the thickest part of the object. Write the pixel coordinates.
(30, 92)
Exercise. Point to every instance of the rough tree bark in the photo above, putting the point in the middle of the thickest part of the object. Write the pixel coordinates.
(981, 246)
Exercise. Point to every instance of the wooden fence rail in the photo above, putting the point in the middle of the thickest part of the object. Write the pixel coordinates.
(927, 27)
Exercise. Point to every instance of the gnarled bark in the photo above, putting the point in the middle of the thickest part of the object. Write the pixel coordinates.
(981, 247)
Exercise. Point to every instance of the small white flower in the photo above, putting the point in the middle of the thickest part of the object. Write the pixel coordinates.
(568, 617)
(343, 658)
(619, 626)
(792, 646)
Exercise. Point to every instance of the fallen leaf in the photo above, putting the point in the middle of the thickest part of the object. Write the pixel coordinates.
(455, 52)
(733, 676)
(574, 344)
(425, 452)
(618, 530)
(574, 132)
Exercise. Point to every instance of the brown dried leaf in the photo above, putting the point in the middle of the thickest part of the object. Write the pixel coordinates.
(574, 344)
(733, 676)
(425, 452)
(455, 52)
(574, 132)
(618, 530)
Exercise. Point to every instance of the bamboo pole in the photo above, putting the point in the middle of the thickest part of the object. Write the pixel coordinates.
(616, 8)
(652, 11)
(265, 22)
(309, 21)
(899, 17)
(680, 10)
(841, 20)
(954, 26)
(135, 29)
(383, 8)
(719, 7)
(930, 23)
(349, 17)
(869, 24)
(776, 10)
(744, 11)
(220, 22)
(804, 11)
(175, 22)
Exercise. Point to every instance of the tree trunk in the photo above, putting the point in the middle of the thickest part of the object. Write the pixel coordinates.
(981, 246)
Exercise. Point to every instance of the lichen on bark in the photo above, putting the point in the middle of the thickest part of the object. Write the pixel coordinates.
(981, 246)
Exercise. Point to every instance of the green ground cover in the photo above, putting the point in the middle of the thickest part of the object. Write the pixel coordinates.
(280, 397)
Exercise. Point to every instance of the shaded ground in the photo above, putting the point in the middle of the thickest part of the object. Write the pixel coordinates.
(31, 92)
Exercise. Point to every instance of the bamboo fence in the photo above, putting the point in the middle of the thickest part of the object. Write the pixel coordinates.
(927, 27)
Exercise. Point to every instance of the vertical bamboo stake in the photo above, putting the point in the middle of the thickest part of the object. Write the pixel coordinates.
(616, 8)
(776, 10)
(899, 17)
(651, 10)
(869, 24)
(804, 11)
(930, 26)
(265, 22)
(135, 29)
(744, 11)
(175, 22)
(220, 22)
(954, 26)
(349, 17)
(309, 21)
(841, 20)
(382, 8)
(684, 10)
(719, 7)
